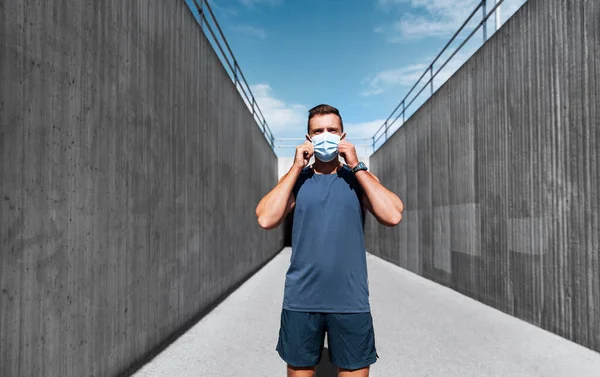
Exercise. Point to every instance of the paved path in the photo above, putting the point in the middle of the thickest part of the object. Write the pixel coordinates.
(421, 329)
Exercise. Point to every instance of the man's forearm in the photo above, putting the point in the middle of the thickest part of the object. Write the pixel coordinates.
(385, 205)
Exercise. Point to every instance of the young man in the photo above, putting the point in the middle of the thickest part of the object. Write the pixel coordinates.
(326, 286)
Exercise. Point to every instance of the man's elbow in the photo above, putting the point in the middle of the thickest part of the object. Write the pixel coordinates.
(267, 223)
(397, 216)
(393, 220)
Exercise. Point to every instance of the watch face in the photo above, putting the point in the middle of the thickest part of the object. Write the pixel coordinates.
(360, 166)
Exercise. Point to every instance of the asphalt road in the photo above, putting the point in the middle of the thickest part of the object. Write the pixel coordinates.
(421, 329)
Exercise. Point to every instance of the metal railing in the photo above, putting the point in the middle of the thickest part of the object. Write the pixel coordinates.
(406, 101)
(203, 9)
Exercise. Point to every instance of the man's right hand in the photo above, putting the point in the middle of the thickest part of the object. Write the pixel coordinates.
(304, 152)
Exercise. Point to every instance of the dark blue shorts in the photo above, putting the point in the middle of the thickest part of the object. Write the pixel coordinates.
(350, 337)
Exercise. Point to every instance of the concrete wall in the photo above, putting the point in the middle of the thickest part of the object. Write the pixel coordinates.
(130, 169)
(500, 173)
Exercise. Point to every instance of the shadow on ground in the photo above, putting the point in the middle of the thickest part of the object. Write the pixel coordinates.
(325, 367)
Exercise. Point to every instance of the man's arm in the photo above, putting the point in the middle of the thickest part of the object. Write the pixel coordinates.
(279, 202)
(381, 202)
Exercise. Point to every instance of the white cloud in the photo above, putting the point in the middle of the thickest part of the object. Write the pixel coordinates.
(361, 134)
(408, 76)
(362, 130)
(280, 116)
(371, 92)
(402, 76)
(438, 18)
(252, 31)
(428, 18)
(415, 27)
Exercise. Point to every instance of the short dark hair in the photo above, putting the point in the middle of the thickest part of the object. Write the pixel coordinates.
(322, 109)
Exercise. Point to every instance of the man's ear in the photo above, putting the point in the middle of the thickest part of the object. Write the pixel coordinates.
(308, 138)
(343, 136)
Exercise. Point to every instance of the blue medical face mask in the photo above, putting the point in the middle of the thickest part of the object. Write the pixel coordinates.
(326, 146)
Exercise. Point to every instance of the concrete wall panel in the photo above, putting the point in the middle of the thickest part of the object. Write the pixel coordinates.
(499, 173)
(130, 169)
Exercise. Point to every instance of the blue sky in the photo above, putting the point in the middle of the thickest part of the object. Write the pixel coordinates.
(361, 56)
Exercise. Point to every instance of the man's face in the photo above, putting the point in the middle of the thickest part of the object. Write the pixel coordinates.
(325, 123)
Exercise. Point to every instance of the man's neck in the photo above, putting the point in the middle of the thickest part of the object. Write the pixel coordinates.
(330, 167)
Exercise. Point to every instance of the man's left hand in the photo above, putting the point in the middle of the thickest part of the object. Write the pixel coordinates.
(348, 153)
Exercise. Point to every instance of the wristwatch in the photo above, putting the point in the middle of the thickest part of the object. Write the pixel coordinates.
(360, 166)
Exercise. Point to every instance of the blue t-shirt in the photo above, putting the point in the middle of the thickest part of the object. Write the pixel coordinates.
(328, 266)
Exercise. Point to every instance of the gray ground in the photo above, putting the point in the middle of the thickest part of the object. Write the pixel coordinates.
(421, 329)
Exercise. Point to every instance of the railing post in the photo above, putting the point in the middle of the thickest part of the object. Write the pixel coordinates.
(497, 15)
(253, 104)
(386, 131)
(201, 10)
(235, 77)
(484, 20)
(403, 112)
(201, 15)
(431, 77)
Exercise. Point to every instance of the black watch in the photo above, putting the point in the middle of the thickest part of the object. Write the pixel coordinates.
(360, 166)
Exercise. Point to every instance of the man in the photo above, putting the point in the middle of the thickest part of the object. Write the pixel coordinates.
(326, 286)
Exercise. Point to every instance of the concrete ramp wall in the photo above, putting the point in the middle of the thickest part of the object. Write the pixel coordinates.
(130, 169)
(500, 173)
